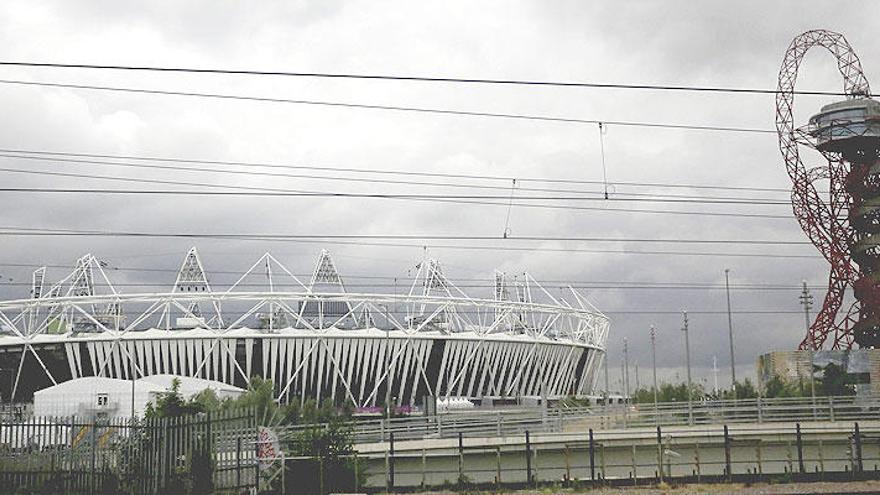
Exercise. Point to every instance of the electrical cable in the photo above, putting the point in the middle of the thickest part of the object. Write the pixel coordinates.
(250, 173)
(468, 80)
(39, 231)
(396, 108)
(505, 179)
(239, 190)
(483, 282)
(496, 248)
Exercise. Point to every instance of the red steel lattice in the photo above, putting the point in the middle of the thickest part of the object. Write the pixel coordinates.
(824, 219)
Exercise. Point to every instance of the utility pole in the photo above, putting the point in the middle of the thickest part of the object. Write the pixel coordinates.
(654, 365)
(387, 412)
(687, 354)
(807, 301)
(625, 368)
(715, 374)
(730, 332)
(638, 385)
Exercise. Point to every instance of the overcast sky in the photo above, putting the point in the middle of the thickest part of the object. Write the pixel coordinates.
(731, 44)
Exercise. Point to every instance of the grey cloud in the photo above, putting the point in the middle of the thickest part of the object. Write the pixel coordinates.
(643, 42)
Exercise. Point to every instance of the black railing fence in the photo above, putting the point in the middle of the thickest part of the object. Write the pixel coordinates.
(213, 451)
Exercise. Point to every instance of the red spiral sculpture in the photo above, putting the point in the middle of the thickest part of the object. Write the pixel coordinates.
(843, 222)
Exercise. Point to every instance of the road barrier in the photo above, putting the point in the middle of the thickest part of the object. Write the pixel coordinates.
(728, 453)
(507, 422)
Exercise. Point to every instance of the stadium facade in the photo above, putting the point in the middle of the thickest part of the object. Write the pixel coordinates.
(312, 339)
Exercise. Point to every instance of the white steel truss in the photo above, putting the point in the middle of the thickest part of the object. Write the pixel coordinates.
(435, 340)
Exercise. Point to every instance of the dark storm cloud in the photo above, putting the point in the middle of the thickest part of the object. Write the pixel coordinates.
(713, 43)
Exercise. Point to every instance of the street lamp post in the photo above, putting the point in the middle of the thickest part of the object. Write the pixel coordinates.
(807, 300)
(687, 354)
(654, 366)
(730, 332)
(625, 368)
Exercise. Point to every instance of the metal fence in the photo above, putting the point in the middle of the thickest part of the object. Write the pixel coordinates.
(738, 453)
(77, 455)
(477, 422)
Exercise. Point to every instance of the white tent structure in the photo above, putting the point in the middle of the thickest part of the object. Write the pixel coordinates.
(94, 396)
(190, 386)
(112, 397)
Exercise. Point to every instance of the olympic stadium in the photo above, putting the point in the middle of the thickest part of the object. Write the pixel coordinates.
(313, 339)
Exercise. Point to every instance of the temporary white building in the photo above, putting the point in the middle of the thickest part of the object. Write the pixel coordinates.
(94, 396)
(112, 397)
(190, 386)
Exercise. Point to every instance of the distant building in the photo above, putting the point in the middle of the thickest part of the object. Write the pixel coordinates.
(794, 366)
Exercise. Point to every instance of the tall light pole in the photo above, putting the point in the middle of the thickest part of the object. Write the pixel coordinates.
(388, 412)
(638, 384)
(626, 367)
(654, 365)
(807, 301)
(730, 332)
(687, 354)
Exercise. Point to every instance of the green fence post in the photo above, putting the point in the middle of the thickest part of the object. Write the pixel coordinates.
(592, 457)
(858, 445)
(528, 459)
(800, 448)
(727, 454)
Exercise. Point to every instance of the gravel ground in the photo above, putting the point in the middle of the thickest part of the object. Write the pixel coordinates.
(713, 489)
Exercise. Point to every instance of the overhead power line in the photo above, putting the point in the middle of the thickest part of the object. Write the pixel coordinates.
(32, 231)
(342, 178)
(330, 194)
(252, 191)
(487, 285)
(397, 108)
(373, 171)
(434, 79)
(239, 190)
(151, 164)
(531, 249)
(481, 281)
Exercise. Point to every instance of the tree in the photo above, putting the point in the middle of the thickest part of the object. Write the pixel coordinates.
(777, 387)
(171, 404)
(835, 381)
(669, 392)
(198, 478)
(260, 396)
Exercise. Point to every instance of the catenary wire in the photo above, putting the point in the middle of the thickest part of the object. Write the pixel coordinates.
(496, 248)
(396, 108)
(479, 200)
(505, 179)
(487, 285)
(240, 190)
(773, 255)
(388, 77)
(39, 231)
(483, 280)
(250, 173)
